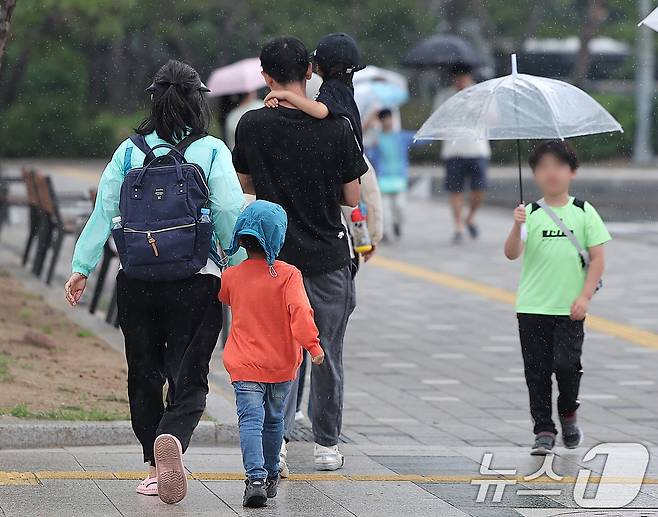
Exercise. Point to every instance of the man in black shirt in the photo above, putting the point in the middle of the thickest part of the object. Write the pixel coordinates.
(310, 167)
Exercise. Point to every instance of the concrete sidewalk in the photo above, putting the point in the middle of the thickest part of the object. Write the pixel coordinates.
(434, 381)
(393, 480)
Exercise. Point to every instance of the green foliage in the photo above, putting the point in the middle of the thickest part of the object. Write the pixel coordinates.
(19, 411)
(72, 413)
(75, 70)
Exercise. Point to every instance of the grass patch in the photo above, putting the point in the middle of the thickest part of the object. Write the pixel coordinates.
(76, 413)
(4, 369)
(20, 411)
(69, 413)
(84, 333)
(47, 329)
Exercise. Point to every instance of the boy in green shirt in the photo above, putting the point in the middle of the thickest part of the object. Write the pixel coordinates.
(555, 290)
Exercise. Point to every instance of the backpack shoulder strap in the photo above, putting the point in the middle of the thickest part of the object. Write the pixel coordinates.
(579, 203)
(584, 254)
(140, 143)
(182, 146)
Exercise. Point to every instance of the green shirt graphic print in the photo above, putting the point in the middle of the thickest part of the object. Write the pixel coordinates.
(552, 276)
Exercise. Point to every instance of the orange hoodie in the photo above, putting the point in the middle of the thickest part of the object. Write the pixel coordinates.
(272, 321)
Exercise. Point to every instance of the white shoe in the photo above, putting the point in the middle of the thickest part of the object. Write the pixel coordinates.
(299, 416)
(328, 458)
(284, 472)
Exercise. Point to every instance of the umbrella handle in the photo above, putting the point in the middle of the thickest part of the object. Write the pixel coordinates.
(518, 157)
(524, 232)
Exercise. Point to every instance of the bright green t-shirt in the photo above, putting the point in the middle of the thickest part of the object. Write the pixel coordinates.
(553, 276)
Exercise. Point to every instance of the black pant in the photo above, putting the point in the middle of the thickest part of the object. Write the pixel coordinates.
(551, 344)
(170, 330)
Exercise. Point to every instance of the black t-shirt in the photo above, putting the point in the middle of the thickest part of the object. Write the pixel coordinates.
(302, 163)
(338, 97)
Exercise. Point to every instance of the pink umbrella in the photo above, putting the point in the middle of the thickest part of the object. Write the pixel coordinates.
(240, 77)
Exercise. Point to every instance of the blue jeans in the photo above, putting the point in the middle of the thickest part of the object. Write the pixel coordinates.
(261, 408)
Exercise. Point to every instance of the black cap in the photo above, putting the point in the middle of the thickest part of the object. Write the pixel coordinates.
(338, 48)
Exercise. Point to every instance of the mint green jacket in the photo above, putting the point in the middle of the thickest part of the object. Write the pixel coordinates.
(226, 196)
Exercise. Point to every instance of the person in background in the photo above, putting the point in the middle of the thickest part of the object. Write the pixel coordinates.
(272, 321)
(465, 160)
(170, 328)
(310, 167)
(247, 102)
(390, 156)
(555, 290)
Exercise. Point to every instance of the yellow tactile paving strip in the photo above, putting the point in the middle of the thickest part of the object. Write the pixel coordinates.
(35, 478)
(596, 323)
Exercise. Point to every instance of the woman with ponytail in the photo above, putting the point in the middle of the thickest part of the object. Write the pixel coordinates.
(170, 327)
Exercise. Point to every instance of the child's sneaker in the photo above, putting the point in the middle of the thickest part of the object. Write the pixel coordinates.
(544, 443)
(328, 458)
(572, 435)
(255, 495)
(284, 472)
(272, 487)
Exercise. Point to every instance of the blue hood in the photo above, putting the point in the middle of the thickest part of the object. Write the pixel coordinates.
(267, 222)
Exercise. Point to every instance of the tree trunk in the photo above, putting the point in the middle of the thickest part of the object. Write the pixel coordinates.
(595, 14)
(6, 10)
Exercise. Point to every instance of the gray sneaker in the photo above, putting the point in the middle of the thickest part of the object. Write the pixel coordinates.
(272, 486)
(572, 435)
(544, 443)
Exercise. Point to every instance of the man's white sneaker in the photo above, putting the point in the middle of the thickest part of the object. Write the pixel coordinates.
(328, 458)
(283, 464)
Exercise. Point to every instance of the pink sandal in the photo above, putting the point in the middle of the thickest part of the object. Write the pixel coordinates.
(148, 487)
(172, 480)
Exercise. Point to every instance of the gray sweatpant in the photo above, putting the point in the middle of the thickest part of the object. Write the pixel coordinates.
(333, 299)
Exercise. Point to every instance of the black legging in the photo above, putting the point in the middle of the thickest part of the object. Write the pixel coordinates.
(170, 330)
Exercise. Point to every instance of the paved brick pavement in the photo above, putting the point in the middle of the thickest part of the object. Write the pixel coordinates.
(433, 382)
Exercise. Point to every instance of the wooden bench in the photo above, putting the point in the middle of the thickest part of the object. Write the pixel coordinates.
(9, 199)
(34, 211)
(53, 228)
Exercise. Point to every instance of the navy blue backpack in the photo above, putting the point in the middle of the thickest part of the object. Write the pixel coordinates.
(162, 235)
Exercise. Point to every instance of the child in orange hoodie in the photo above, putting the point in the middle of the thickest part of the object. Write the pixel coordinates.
(272, 321)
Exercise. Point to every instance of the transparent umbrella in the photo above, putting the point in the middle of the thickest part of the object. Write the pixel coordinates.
(518, 107)
(651, 20)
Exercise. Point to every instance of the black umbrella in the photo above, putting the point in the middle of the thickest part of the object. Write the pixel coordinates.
(446, 50)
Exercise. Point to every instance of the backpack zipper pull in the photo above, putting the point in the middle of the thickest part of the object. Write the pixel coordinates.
(151, 241)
